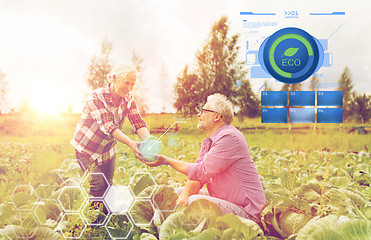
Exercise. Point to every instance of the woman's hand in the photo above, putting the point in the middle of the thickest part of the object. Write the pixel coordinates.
(133, 145)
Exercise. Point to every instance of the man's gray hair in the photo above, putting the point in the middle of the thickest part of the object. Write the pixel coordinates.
(222, 105)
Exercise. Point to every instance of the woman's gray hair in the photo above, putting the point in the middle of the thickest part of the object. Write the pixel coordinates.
(222, 105)
(121, 69)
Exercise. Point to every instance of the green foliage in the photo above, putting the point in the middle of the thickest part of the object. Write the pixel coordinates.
(71, 198)
(164, 198)
(172, 225)
(332, 227)
(47, 211)
(217, 71)
(140, 90)
(148, 236)
(314, 83)
(300, 184)
(214, 226)
(7, 212)
(234, 227)
(141, 182)
(217, 63)
(361, 107)
(248, 103)
(142, 212)
(100, 66)
(346, 85)
(18, 232)
(3, 91)
(22, 199)
(188, 91)
(119, 226)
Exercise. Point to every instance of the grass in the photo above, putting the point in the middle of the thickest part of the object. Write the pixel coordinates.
(31, 147)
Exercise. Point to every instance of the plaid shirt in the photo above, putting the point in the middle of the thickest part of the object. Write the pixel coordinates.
(99, 118)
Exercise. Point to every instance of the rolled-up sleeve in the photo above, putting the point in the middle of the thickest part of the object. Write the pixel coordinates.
(134, 117)
(100, 114)
(221, 155)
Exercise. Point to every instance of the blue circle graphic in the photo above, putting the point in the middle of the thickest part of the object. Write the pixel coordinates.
(291, 55)
(293, 63)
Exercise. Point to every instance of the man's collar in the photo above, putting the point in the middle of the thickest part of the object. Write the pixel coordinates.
(216, 134)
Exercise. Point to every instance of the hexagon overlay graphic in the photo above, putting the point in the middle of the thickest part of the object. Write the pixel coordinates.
(27, 221)
(164, 198)
(201, 209)
(139, 182)
(72, 198)
(119, 226)
(95, 212)
(74, 226)
(45, 191)
(119, 198)
(70, 172)
(47, 210)
(23, 196)
(142, 212)
(85, 184)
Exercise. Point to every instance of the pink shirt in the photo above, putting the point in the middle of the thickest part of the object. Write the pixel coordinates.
(225, 164)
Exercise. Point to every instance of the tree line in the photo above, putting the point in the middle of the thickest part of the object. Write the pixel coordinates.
(217, 69)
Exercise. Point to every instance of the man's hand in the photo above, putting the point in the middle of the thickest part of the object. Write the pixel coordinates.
(182, 200)
(191, 187)
(160, 160)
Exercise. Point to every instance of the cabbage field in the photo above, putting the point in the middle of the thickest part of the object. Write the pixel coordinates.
(311, 194)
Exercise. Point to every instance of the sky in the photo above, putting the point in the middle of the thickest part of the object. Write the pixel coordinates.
(46, 46)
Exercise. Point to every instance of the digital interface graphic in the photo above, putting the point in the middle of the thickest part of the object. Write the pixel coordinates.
(291, 55)
(274, 115)
(288, 54)
(302, 98)
(163, 120)
(273, 98)
(302, 107)
(150, 147)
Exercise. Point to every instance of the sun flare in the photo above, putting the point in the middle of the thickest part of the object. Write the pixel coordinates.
(50, 99)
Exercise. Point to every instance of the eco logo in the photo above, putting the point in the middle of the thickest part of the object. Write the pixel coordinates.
(291, 55)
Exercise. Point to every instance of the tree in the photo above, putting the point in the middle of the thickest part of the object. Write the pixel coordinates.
(217, 71)
(164, 77)
(217, 63)
(189, 97)
(345, 85)
(140, 91)
(100, 66)
(267, 87)
(3, 91)
(361, 107)
(313, 85)
(247, 101)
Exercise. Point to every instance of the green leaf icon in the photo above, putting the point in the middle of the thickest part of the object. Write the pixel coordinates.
(290, 52)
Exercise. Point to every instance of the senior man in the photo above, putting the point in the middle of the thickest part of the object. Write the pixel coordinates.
(224, 163)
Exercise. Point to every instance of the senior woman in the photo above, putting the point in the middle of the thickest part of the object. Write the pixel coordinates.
(224, 164)
(99, 127)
